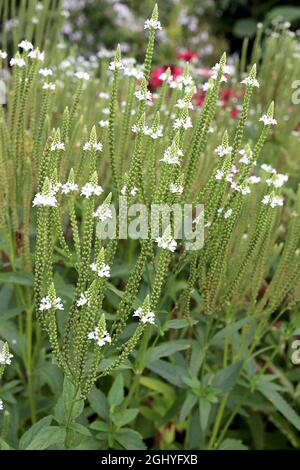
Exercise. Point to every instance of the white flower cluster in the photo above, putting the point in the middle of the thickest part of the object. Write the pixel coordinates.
(226, 71)
(143, 95)
(89, 189)
(5, 357)
(57, 146)
(248, 81)
(172, 158)
(96, 146)
(47, 304)
(3, 54)
(82, 75)
(82, 300)
(272, 200)
(268, 120)
(184, 123)
(154, 134)
(18, 61)
(167, 242)
(103, 270)
(100, 337)
(47, 200)
(132, 192)
(116, 65)
(152, 24)
(145, 315)
(102, 213)
(69, 187)
(222, 151)
(176, 188)
(49, 86)
(226, 214)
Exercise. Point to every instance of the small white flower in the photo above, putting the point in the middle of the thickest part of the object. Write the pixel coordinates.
(167, 243)
(268, 121)
(181, 104)
(49, 86)
(171, 158)
(46, 72)
(5, 357)
(102, 271)
(103, 213)
(104, 95)
(176, 188)
(253, 179)
(46, 304)
(69, 187)
(25, 45)
(152, 24)
(3, 54)
(88, 190)
(18, 61)
(57, 146)
(206, 86)
(82, 300)
(96, 146)
(268, 169)
(36, 54)
(277, 180)
(219, 174)
(184, 123)
(245, 160)
(116, 65)
(143, 95)
(82, 75)
(145, 316)
(48, 200)
(228, 213)
(250, 82)
(272, 200)
(221, 151)
(100, 338)
(103, 123)
(1, 405)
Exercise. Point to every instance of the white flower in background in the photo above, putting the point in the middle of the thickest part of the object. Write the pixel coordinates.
(49, 86)
(82, 75)
(185, 80)
(103, 123)
(222, 151)
(96, 146)
(69, 187)
(176, 188)
(46, 304)
(25, 45)
(46, 72)
(104, 95)
(88, 190)
(152, 24)
(143, 95)
(47, 200)
(268, 169)
(145, 315)
(172, 158)
(253, 179)
(57, 146)
(273, 200)
(277, 180)
(167, 242)
(82, 300)
(181, 104)
(228, 213)
(245, 159)
(219, 174)
(250, 82)
(5, 356)
(3, 54)
(116, 65)
(36, 54)
(184, 123)
(1, 405)
(18, 61)
(100, 337)
(103, 212)
(132, 192)
(226, 71)
(102, 271)
(268, 120)
(206, 86)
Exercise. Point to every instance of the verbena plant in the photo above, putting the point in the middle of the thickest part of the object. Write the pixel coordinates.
(74, 137)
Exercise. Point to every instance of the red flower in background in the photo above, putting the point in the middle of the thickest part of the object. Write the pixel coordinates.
(155, 81)
(188, 56)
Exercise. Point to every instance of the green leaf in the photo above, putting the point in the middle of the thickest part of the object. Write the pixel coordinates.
(170, 372)
(227, 332)
(279, 402)
(47, 437)
(99, 403)
(116, 392)
(169, 348)
(244, 28)
(69, 405)
(204, 411)
(130, 439)
(178, 324)
(18, 278)
(232, 444)
(226, 378)
(100, 426)
(188, 405)
(33, 431)
(158, 386)
(121, 418)
(284, 13)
